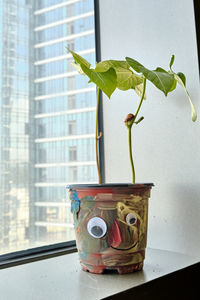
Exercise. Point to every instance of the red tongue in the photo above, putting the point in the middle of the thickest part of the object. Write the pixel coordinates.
(115, 236)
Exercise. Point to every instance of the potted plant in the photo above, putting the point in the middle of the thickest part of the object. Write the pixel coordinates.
(110, 220)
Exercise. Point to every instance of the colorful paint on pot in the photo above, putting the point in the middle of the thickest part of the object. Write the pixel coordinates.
(111, 226)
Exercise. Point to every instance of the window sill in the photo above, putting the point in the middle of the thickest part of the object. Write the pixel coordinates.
(38, 253)
(62, 278)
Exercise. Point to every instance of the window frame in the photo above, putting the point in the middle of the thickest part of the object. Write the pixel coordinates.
(52, 250)
(196, 5)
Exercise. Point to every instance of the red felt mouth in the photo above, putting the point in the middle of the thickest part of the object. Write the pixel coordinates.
(115, 238)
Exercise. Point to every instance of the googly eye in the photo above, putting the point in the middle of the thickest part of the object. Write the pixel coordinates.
(97, 227)
(131, 219)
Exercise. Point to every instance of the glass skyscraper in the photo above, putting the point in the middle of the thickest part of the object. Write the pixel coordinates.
(47, 113)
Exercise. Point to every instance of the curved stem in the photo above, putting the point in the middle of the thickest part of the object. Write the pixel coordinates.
(130, 155)
(142, 98)
(129, 133)
(96, 137)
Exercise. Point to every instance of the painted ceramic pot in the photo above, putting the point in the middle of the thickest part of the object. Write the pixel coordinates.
(110, 222)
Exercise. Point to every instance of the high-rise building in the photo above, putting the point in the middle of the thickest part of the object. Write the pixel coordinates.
(14, 111)
(47, 117)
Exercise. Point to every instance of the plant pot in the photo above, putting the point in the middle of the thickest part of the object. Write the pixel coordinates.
(110, 222)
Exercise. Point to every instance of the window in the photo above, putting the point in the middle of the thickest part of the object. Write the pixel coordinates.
(72, 102)
(70, 28)
(70, 67)
(73, 174)
(72, 153)
(70, 45)
(71, 83)
(40, 134)
(70, 10)
(72, 128)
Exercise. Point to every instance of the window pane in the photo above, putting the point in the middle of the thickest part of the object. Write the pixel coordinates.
(46, 138)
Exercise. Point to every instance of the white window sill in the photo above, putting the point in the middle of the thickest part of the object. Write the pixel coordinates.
(61, 277)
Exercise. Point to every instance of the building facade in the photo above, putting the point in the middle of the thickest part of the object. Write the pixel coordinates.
(47, 117)
(14, 109)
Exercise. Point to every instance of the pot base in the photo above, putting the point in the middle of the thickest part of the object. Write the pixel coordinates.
(110, 270)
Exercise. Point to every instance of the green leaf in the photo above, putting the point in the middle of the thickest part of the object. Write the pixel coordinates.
(171, 61)
(183, 78)
(106, 81)
(126, 79)
(105, 65)
(135, 65)
(78, 68)
(137, 80)
(138, 121)
(159, 77)
(124, 75)
(78, 59)
(179, 80)
(173, 85)
(139, 90)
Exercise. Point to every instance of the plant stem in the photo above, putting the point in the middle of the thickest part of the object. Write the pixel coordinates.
(129, 132)
(96, 137)
(142, 97)
(130, 155)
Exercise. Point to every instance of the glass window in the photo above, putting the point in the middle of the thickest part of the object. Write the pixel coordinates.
(72, 102)
(72, 127)
(72, 153)
(45, 3)
(44, 135)
(70, 28)
(72, 83)
(73, 173)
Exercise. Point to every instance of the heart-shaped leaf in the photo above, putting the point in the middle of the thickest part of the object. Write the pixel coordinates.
(106, 81)
(124, 75)
(159, 77)
(105, 78)
(105, 65)
(126, 79)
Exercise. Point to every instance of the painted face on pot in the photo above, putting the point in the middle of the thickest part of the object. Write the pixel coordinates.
(125, 231)
(112, 227)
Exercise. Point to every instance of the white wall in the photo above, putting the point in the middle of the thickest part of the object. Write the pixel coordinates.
(166, 144)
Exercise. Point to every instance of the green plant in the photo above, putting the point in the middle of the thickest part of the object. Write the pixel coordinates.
(109, 75)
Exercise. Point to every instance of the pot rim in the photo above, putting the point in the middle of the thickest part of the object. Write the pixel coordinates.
(108, 185)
